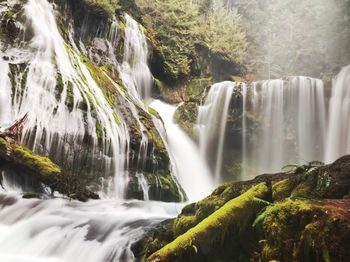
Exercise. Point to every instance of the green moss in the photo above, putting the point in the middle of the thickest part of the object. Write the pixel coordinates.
(153, 112)
(70, 96)
(169, 189)
(10, 13)
(3, 143)
(279, 223)
(184, 223)
(186, 117)
(30, 195)
(196, 87)
(203, 240)
(99, 130)
(121, 25)
(103, 7)
(102, 80)
(282, 189)
(37, 163)
(117, 119)
(18, 75)
(316, 231)
(59, 85)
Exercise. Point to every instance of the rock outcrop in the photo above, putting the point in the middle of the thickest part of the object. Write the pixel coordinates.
(303, 213)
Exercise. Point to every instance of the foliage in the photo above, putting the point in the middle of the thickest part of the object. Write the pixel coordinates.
(177, 27)
(222, 33)
(104, 7)
(172, 23)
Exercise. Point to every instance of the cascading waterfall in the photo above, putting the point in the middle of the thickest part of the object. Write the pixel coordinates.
(50, 81)
(211, 124)
(338, 139)
(134, 70)
(188, 165)
(291, 121)
(52, 90)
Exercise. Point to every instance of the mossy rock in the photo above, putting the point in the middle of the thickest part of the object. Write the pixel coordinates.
(307, 230)
(31, 195)
(205, 241)
(186, 116)
(162, 187)
(105, 8)
(304, 213)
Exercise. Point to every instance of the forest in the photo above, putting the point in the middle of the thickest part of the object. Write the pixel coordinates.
(174, 130)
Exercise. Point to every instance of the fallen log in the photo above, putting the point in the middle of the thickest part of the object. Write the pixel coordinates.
(205, 239)
(15, 130)
(41, 168)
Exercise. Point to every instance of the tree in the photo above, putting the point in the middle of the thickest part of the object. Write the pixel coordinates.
(221, 31)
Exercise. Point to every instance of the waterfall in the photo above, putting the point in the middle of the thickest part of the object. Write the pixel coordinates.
(338, 139)
(290, 117)
(63, 102)
(190, 169)
(134, 70)
(211, 123)
(51, 81)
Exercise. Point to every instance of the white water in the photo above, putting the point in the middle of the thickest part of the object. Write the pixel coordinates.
(134, 70)
(51, 123)
(190, 169)
(211, 124)
(338, 139)
(292, 119)
(68, 231)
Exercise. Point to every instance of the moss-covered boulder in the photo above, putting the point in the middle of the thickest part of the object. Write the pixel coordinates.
(307, 230)
(303, 213)
(212, 237)
(186, 116)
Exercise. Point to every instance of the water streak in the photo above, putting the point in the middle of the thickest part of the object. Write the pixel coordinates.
(291, 123)
(212, 119)
(190, 169)
(338, 139)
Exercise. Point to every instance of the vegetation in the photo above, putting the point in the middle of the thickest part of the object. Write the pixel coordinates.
(104, 7)
(216, 229)
(42, 169)
(177, 28)
(221, 32)
(225, 226)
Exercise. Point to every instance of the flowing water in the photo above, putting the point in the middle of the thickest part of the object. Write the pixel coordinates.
(49, 80)
(284, 121)
(52, 89)
(291, 119)
(338, 140)
(211, 124)
(134, 70)
(191, 170)
(60, 230)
